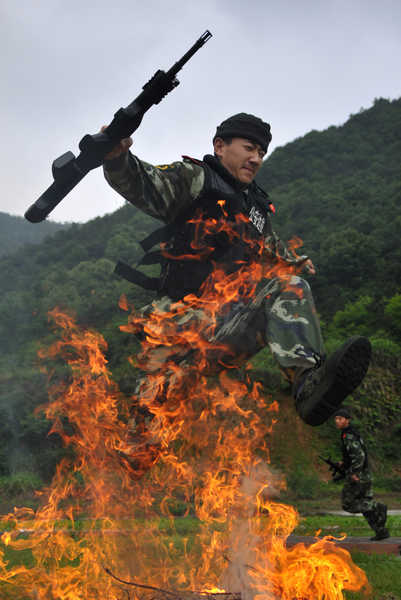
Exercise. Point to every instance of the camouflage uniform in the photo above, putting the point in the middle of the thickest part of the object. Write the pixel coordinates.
(357, 496)
(286, 320)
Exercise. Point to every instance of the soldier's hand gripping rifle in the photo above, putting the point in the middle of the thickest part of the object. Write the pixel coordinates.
(337, 471)
(68, 170)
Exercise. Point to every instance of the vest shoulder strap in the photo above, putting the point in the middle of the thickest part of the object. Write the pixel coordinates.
(196, 161)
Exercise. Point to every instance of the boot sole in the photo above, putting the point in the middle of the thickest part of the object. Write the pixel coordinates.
(346, 371)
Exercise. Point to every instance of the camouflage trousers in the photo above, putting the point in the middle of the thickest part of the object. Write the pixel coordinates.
(357, 497)
(280, 316)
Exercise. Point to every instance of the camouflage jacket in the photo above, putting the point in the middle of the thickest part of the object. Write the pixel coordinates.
(166, 191)
(355, 456)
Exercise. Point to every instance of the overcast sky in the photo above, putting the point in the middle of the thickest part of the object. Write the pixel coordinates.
(68, 66)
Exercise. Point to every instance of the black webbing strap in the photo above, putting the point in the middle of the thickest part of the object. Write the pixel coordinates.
(167, 232)
(135, 276)
(159, 235)
(152, 258)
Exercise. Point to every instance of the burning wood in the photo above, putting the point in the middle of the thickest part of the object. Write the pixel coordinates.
(149, 592)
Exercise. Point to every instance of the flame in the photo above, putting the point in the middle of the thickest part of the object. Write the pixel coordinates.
(203, 442)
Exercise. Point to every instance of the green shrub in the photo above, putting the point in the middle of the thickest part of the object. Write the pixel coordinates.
(357, 318)
(391, 484)
(385, 347)
(303, 482)
(265, 369)
(19, 483)
(177, 507)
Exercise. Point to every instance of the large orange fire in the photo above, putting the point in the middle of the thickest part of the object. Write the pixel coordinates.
(205, 446)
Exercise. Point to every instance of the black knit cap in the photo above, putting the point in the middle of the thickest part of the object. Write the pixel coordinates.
(343, 411)
(245, 126)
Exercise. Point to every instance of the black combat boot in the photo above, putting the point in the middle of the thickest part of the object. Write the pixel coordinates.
(319, 391)
(377, 519)
(381, 534)
(381, 516)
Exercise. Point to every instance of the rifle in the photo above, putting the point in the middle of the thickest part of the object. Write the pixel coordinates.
(68, 170)
(337, 471)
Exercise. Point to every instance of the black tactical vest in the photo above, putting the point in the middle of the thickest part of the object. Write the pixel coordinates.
(224, 228)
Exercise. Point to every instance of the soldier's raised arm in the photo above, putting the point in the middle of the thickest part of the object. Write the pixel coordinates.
(162, 191)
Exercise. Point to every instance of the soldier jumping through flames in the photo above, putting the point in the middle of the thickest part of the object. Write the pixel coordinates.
(217, 233)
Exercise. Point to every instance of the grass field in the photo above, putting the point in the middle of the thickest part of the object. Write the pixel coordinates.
(384, 575)
(350, 525)
(383, 571)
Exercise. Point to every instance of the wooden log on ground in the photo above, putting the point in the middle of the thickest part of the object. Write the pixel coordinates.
(149, 592)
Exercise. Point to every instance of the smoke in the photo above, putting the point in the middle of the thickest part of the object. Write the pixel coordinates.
(260, 485)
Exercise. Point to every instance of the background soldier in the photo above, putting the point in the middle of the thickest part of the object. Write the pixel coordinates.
(357, 494)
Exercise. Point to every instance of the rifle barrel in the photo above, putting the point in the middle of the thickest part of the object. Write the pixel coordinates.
(198, 44)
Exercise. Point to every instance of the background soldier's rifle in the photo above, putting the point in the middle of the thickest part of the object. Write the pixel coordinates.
(68, 170)
(337, 471)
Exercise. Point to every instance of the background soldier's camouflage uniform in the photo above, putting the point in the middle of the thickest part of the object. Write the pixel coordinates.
(357, 496)
(285, 320)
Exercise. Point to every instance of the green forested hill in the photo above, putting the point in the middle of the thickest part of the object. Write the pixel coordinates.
(16, 231)
(369, 141)
(339, 190)
(73, 269)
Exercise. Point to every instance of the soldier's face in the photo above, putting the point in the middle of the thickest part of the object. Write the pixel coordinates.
(341, 422)
(242, 158)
